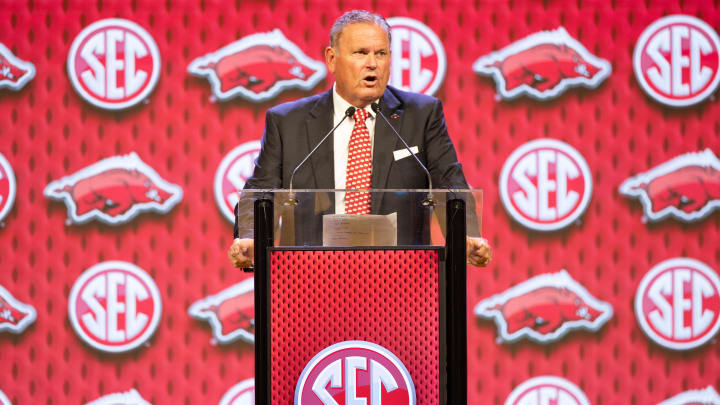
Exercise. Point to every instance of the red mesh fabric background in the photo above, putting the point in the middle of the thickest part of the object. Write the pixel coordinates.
(386, 297)
(47, 131)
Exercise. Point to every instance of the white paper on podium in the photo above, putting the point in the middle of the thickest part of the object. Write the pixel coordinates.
(360, 230)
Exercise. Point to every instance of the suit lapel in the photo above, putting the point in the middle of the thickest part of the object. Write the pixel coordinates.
(318, 124)
(384, 143)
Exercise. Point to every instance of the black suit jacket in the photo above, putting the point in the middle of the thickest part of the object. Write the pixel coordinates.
(293, 129)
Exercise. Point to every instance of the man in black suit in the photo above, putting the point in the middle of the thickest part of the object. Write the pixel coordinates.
(359, 57)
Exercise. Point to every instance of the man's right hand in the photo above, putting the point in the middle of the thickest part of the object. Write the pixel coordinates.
(242, 253)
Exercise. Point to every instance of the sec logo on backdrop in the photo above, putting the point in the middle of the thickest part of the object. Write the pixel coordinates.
(678, 304)
(676, 60)
(547, 390)
(8, 187)
(114, 306)
(545, 185)
(131, 397)
(355, 372)
(418, 57)
(242, 393)
(113, 64)
(232, 173)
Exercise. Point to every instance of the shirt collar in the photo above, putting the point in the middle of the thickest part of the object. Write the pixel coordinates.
(340, 105)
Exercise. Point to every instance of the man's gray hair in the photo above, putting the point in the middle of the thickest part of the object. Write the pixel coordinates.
(355, 17)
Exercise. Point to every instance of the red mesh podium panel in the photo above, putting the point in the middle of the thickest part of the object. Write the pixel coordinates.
(47, 131)
(386, 297)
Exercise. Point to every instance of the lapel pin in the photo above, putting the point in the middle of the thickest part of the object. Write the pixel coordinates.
(394, 116)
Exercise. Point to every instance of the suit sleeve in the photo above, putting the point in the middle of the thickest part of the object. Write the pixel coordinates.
(268, 165)
(445, 170)
(267, 175)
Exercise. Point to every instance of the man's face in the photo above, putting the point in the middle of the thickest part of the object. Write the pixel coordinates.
(360, 62)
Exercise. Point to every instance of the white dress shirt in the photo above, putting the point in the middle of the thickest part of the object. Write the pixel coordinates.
(341, 139)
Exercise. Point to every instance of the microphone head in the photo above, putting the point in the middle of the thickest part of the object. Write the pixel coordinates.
(350, 111)
(375, 107)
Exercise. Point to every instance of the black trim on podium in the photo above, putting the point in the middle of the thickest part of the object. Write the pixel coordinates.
(455, 242)
(264, 239)
(453, 299)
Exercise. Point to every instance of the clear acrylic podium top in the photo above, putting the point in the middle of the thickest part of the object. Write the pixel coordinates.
(398, 217)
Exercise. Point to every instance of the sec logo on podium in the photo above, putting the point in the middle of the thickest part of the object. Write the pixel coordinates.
(355, 373)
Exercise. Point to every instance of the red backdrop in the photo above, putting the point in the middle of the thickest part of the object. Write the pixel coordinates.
(47, 131)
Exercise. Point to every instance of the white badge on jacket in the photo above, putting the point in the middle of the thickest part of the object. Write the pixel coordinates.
(403, 153)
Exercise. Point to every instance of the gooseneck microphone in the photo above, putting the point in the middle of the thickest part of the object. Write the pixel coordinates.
(429, 200)
(291, 198)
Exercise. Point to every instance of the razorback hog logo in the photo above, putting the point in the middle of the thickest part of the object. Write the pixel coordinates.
(257, 68)
(543, 65)
(230, 312)
(114, 191)
(544, 309)
(131, 397)
(686, 188)
(707, 396)
(677, 60)
(114, 64)
(114, 306)
(232, 173)
(14, 72)
(545, 185)
(8, 187)
(242, 393)
(547, 390)
(355, 372)
(15, 316)
(677, 303)
(418, 57)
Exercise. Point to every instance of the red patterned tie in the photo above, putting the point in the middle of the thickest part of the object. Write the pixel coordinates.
(359, 168)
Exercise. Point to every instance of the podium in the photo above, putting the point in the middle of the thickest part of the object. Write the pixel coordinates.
(360, 309)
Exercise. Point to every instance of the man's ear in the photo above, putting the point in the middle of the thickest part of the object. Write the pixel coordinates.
(330, 56)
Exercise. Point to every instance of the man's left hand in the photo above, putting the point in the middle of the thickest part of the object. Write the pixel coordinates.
(479, 252)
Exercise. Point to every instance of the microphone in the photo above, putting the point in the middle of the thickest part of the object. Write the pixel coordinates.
(429, 200)
(291, 197)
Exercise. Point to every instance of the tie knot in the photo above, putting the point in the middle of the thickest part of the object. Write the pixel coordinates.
(360, 115)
